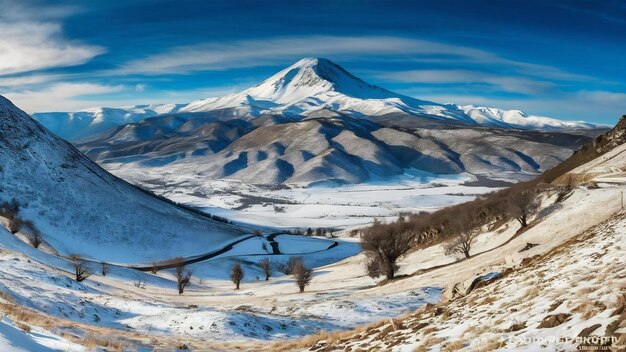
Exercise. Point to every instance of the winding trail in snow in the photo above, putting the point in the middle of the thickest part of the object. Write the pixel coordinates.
(203, 257)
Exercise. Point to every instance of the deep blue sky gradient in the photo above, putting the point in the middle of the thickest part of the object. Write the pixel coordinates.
(585, 41)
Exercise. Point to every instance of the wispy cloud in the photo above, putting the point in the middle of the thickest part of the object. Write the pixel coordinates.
(279, 50)
(32, 39)
(462, 77)
(61, 97)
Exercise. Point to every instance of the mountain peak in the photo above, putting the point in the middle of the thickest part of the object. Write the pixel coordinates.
(311, 77)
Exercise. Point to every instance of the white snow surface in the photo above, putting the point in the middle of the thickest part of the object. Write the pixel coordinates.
(12, 339)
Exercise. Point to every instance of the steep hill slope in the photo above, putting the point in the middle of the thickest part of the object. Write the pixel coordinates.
(80, 208)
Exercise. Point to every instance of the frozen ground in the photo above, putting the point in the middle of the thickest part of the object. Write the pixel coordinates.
(13, 339)
(340, 296)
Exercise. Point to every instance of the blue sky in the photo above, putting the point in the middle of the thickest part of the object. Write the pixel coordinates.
(562, 59)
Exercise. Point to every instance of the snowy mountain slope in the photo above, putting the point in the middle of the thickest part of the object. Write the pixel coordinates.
(310, 87)
(81, 209)
(79, 124)
(565, 300)
(339, 149)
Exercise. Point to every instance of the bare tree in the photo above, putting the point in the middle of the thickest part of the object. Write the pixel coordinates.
(292, 263)
(14, 225)
(104, 268)
(35, 239)
(81, 270)
(384, 244)
(155, 267)
(236, 274)
(302, 275)
(465, 231)
(183, 276)
(522, 205)
(266, 266)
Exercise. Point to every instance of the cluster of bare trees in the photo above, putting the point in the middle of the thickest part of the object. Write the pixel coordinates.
(10, 211)
(295, 266)
(459, 225)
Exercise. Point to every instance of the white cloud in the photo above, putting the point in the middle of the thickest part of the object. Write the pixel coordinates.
(503, 82)
(604, 97)
(32, 39)
(18, 81)
(282, 50)
(140, 87)
(61, 97)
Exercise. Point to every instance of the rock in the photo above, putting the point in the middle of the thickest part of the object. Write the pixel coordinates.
(554, 320)
(516, 327)
(483, 280)
(554, 306)
(587, 331)
(529, 246)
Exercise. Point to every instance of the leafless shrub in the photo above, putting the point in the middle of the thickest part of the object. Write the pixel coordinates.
(465, 229)
(236, 274)
(23, 327)
(522, 205)
(266, 267)
(35, 239)
(183, 276)
(140, 283)
(155, 268)
(81, 270)
(384, 244)
(14, 225)
(104, 268)
(302, 275)
(287, 269)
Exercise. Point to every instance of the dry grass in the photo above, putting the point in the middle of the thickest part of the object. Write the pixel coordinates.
(475, 330)
(532, 292)
(111, 339)
(495, 343)
(489, 300)
(452, 346)
(618, 301)
(6, 297)
(588, 310)
(23, 327)
(328, 337)
(111, 343)
(430, 341)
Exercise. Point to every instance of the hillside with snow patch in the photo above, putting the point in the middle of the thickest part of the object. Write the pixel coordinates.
(81, 209)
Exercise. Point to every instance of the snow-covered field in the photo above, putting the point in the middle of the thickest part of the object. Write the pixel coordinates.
(299, 207)
(340, 296)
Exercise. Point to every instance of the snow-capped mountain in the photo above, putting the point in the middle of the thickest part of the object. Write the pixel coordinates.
(81, 209)
(76, 125)
(310, 87)
(313, 84)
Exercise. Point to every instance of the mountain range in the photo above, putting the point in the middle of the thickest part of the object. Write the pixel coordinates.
(316, 122)
(310, 87)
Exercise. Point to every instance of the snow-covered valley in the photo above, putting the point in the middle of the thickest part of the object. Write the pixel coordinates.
(186, 261)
